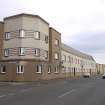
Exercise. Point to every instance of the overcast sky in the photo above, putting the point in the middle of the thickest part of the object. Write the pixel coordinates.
(81, 22)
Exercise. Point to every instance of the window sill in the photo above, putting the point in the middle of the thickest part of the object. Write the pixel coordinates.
(3, 73)
(6, 56)
(56, 72)
(37, 38)
(38, 73)
(49, 72)
(20, 73)
(21, 54)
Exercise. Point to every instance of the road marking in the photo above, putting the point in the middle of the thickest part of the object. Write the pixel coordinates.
(2, 96)
(69, 92)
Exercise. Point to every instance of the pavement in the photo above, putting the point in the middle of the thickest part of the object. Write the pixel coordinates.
(81, 91)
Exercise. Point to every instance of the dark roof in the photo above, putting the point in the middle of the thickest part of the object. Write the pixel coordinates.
(76, 52)
(24, 14)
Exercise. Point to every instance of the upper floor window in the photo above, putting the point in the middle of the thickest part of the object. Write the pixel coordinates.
(56, 42)
(69, 58)
(20, 69)
(56, 56)
(46, 54)
(7, 35)
(75, 61)
(37, 51)
(2, 69)
(64, 58)
(46, 39)
(22, 33)
(39, 69)
(21, 51)
(6, 52)
(37, 35)
(78, 61)
(72, 59)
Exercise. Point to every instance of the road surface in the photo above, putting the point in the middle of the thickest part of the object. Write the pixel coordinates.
(83, 91)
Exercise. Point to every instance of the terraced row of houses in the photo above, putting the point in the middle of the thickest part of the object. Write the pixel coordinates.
(30, 50)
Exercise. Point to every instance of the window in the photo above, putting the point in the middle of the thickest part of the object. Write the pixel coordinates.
(37, 35)
(7, 35)
(69, 58)
(46, 54)
(46, 39)
(22, 33)
(6, 52)
(2, 69)
(75, 61)
(78, 61)
(21, 51)
(39, 69)
(56, 56)
(63, 70)
(49, 69)
(56, 42)
(20, 69)
(56, 69)
(64, 58)
(69, 68)
(37, 51)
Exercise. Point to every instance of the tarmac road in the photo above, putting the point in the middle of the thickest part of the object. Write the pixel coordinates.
(83, 91)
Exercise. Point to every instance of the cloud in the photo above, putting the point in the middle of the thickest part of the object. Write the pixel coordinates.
(81, 22)
(89, 42)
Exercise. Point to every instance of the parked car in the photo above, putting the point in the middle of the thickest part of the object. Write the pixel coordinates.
(103, 76)
(86, 75)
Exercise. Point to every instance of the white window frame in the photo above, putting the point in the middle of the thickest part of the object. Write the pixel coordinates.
(1, 68)
(56, 70)
(56, 56)
(69, 59)
(7, 35)
(46, 54)
(20, 69)
(39, 69)
(21, 51)
(21, 33)
(46, 39)
(56, 42)
(6, 52)
(63, 57)
(37, 51)
(49, 69)
(37, 35)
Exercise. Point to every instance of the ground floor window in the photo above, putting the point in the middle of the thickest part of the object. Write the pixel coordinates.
(49, 69)
(39, 69)
(2, 68)
(20, 69)
(63, 69)
(56, 69)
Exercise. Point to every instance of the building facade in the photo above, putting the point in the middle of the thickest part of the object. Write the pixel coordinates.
(76, 63)
(30, 50)
(100, 68)
(1, 37)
